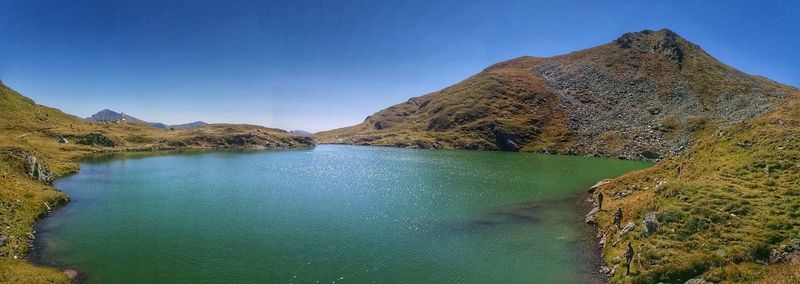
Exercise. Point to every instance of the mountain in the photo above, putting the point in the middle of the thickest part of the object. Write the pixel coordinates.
(642, 96)
(107, 115)
(721, 205)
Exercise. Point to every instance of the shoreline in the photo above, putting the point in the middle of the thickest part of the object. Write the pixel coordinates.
(589, 240)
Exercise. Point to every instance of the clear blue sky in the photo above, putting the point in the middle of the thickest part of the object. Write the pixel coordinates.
(318, 65)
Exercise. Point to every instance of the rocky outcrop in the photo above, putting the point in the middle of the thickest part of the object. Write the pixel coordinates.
(590, 218)
(786, 253)
(628, 227)
(599, 184)
(650, 224)
(95, 139)
(35, 168)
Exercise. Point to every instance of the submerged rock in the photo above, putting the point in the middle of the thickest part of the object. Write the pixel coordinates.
(71, 274)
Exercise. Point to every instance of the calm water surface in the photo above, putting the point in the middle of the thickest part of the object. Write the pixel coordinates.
(331, 214)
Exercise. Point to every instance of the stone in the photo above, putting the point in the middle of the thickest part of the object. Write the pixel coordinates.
(622, 193)
(660, 186)
(650, 224)
(36, 169)
(628, 227)
(71, 274)
(63, 140)
(598, 185)
(605, 270)
(698, 280)
(590, 219)
(786, 253)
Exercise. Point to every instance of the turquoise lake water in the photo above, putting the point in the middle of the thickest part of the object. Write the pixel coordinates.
(332, 214)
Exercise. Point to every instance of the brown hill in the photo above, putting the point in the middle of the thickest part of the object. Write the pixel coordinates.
(641, 96)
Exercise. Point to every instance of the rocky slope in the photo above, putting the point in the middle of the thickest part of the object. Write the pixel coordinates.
(38, 144)
(721, 205)
(641, 96)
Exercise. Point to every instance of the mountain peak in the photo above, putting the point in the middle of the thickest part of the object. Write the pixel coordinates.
(663, 41)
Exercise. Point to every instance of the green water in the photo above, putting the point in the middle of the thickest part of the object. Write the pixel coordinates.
(331, 214)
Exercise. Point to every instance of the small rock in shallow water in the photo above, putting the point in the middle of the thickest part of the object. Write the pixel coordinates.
(71, 274)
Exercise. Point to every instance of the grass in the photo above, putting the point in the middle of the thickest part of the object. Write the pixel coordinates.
(503, 100)
(723, 206)
(26, 127)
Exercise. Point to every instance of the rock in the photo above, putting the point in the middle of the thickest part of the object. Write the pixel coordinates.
(598, 185)
(602, 241)
(698, 280)
(650, 155)
(605, 270)
(35, 168)
(379, 125)
(786, 253)
(590, 217)
(660, 186)
(96, 139)
(71, 274)
(650, 224)
(63, 140)
(628, 227)
(3, 240)
(622, 193)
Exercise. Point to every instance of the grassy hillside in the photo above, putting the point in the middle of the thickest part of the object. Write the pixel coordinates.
(726, 193)
(31, 156)
(645, 95)
(730, 202)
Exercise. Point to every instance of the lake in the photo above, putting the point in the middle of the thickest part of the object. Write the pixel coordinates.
(332, 214)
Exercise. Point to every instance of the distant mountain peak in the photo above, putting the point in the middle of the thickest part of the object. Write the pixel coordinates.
(107, 115)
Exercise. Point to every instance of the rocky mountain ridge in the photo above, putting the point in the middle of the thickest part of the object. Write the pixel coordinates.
(645, 95)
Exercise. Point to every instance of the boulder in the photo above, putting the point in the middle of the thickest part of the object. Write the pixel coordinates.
(598, 185)
(698, 280)
(71, 274)
(650, 224)
(590, 217)
(622, 193)
(35, 168)
(629, 227)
